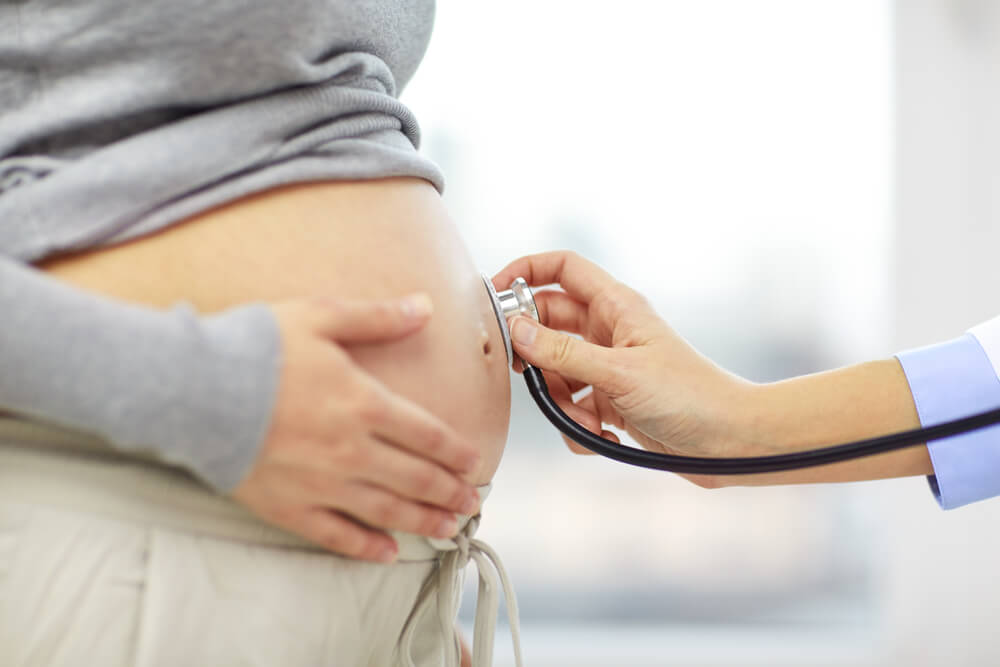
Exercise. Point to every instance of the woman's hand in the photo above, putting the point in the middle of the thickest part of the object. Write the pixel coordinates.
(645, 378)
(344, 456)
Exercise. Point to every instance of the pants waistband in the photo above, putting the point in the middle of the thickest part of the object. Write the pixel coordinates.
(48, 465)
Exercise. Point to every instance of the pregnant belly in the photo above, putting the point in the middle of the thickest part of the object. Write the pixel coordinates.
(353, 240)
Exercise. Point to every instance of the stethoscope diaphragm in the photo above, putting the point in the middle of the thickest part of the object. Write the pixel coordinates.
(518, 300)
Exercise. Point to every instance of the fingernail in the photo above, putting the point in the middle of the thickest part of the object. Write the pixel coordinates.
(387, 555)
(470, 506)
(524, 330)
(447, 528)
(417, 305)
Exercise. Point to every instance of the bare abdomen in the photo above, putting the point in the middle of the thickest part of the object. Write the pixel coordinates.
(354, 240)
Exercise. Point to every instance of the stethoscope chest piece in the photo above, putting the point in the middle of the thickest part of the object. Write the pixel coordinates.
(517, 300)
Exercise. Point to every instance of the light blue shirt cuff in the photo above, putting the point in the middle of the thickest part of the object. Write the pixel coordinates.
(949, 381)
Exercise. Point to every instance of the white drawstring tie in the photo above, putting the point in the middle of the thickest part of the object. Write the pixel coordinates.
(444, 587)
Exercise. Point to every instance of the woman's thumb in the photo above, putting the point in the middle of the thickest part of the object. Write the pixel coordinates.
(568, 356)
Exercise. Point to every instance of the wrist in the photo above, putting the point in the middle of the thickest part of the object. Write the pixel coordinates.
(739, 424)
(825, 409)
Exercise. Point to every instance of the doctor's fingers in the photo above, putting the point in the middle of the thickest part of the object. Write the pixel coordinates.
(561, 393)
(616, 315)
(560, 311)
(413, 428)
(572, 386)
(580, 277)
(587, 405)
(599, 403)
(597, 365)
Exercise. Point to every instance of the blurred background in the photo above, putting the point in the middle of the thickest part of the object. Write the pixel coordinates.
(796, 185)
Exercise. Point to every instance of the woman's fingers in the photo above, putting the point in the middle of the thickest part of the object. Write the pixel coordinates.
(340, 441)
(581, 278)
(413, 428)
(362, 321)
(409, 476)
(375, 506)
(339, 534)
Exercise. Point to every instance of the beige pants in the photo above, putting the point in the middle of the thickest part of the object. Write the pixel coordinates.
(110, 561)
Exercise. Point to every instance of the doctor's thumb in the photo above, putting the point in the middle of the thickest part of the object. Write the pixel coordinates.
(564, 354)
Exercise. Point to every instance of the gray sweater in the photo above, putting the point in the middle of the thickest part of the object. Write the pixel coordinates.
(119, 118)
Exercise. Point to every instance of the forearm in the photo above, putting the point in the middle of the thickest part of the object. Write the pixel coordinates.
(670, 398)
(193, 391)
(829, 408)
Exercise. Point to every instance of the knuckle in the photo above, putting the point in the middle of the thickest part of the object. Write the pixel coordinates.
(308, 484)
(352, 454)
(330, 534)
(457, 496)
(562, 350)
(605, 307)
(616, 376)
(619, 291)
(429, 521)
(342, 537)
(435, 439)
(343, 542)
(361, 456)
(618, 373)
(285, 515)
(387, 511)
(620, 301)
(423, 482)
(369, 406)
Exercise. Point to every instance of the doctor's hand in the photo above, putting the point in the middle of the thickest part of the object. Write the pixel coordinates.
(345, 458)
(649, 381)
(645, 378)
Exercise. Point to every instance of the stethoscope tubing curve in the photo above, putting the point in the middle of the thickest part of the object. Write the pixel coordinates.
(696, 465)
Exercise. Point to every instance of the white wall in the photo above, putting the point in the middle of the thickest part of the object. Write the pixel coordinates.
(937, 604)
(947, 167)
(942, 591)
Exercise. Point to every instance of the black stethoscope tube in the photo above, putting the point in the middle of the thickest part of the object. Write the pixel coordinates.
(741, 466)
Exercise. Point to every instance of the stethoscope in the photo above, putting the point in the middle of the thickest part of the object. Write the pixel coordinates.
(519, 300)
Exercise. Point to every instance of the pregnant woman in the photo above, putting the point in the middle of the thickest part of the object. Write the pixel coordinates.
(209, 378)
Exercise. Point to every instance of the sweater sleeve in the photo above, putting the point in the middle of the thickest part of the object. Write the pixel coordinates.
(196, 391)
(956, 379)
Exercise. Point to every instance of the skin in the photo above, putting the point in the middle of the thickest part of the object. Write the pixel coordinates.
(389, 410)
(648, 380)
